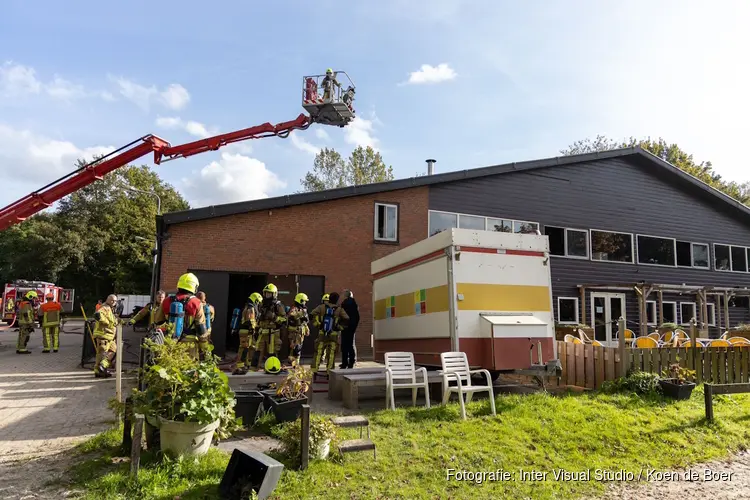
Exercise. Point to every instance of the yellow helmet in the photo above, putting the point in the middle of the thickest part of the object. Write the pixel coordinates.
(255, 297)
(301, 298)
(329, 70)
(272, 289)
(273, 365)
(325, 297)
(189, 282)
(31, 294)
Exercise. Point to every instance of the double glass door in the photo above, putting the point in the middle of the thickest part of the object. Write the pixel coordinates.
(606, 309)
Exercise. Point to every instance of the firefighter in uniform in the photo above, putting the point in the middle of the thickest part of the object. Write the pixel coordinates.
(156, 316)
(194, 320)
(330, 320)
(248, 335)
(205, 339)
(297, 327)
(104, 337)
(49, 313)
(271, 315)
(25, 317)
(328, 83)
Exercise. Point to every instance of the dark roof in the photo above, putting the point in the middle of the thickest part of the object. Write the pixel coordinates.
(636, 153)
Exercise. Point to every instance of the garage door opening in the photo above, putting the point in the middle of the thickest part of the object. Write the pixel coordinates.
(240, 288)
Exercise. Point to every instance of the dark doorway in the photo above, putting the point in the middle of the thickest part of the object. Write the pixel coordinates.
(216, 286)
(287, 286)
(314, 287)
(240, 288)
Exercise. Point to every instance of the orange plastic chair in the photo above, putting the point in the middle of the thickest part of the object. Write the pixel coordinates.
(655, 336)
(646, 343)
(738, 341)
(596, 342)
(719, 343)
(571, 339)
(689, 343)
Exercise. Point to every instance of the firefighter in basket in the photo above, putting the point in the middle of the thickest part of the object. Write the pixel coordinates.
(297, 326)
(187, 317)
(25, 316)
(271, 316)
(328, 83)
(246, 324)
(330, 319)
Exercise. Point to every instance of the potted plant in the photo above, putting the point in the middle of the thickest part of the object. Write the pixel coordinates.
(742, 330)
(676, 382)
(291, 394)
(561, 330)
(188, 400)
(667, 327)
(322, 433)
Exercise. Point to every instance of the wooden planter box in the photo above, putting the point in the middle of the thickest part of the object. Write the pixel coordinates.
(739, 333)
(562, 330)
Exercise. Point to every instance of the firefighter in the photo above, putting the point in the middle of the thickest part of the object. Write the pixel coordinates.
(271, 315)
(297, 326)
(49, 315)
(210, 313)
(330, 320)
(104, 337)
(328, 83)
(194, 320)
(248, 331)
(25, 317)
(156, 316)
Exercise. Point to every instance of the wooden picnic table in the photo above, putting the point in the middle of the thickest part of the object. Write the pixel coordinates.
(352, 383)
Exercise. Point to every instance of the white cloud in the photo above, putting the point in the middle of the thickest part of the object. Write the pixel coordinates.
(301, 144)
(233, 178)
(431, 74)
(40, 158)
(194, 128)
(321, 134)
(360, 133)
(175, 96)
(63, 89)
(16, 80)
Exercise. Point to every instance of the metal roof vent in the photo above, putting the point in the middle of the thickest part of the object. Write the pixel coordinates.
(431, 166)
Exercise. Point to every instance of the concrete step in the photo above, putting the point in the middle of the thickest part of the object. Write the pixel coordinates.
(353, 445)
(351, 421)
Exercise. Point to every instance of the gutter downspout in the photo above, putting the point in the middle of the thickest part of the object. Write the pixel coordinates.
(453, 297)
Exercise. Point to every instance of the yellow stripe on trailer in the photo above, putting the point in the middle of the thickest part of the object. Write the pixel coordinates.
(492, 297)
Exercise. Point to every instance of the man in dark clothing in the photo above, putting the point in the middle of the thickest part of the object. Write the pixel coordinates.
(348, 353)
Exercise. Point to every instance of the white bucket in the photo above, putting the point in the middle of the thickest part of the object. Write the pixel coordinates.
(323, 450)
(186, 438)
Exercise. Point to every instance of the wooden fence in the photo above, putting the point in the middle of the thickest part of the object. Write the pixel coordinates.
(585, 365)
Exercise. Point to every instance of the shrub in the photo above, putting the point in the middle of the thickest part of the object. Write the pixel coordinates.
(289, 433)
(643, 383)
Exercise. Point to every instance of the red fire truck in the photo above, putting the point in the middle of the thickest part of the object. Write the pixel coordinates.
(16, 290)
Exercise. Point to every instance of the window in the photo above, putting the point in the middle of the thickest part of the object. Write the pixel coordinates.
(440, 221)
(651, 312)
(739, 259)
(567, 310)
(525, 227)
(499, 225)
(687, 312)
(670, 312)
(657, 251)
(566, 242)
(386, 222)
(613, 247)
(471, 222)
(700, 255)
(711, 320)
(692, 254)
(721, 257)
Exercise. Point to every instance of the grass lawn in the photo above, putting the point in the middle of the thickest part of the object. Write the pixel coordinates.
(416, 447)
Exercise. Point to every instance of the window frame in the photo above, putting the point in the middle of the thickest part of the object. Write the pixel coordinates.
(458, 221)
(675, 320)
(730, 258)
(386, 204)
(632, 247)
(429, 229)
(514, 223)
(656, 313)
(565, 241)
(695, 313)
(578, 312)
(692, 254)
(711, 320)
(485, 217)
(674, 247)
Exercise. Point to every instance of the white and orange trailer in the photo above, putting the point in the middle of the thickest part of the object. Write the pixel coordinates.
(488, 294)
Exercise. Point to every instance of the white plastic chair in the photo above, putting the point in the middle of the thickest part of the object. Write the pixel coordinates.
(456, 367)
(400, 366)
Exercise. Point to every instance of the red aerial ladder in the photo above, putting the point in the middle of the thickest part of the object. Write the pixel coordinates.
(335, 109)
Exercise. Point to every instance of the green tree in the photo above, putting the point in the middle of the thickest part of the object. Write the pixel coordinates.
(330, 170)
(671, 153)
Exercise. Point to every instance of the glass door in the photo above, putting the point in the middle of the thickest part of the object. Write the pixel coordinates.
(606, 309)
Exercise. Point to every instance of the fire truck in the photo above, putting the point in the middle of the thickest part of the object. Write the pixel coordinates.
(14, 292)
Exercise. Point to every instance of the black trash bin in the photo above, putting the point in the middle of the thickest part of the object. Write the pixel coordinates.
(248, 406)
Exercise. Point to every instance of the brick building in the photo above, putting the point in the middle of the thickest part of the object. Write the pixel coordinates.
(615, 217)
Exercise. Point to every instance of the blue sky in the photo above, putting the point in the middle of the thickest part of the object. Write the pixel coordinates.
(469, 83)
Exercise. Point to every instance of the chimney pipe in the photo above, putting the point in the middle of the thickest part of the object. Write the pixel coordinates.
(430, 166)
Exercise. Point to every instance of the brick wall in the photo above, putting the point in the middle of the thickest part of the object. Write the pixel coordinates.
(333, 239)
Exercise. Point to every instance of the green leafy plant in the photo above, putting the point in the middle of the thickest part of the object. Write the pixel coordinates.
(742, 326)
(289, 433)
(178, 387)
(680, 375)
(670, 326)
(643, 383)
(297, 383)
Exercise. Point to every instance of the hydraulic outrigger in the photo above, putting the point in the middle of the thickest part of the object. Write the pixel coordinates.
(335, 110)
